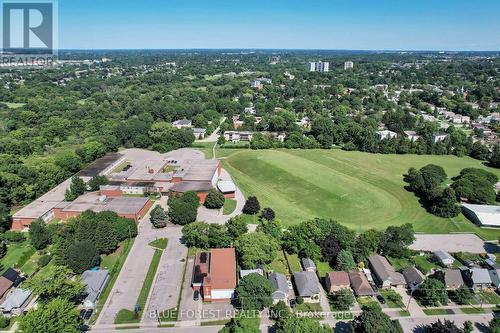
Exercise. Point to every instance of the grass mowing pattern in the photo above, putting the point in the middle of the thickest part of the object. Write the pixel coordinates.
(360, 190)
(125, 316)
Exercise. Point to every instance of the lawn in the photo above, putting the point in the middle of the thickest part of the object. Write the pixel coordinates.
(360, 190)
(392, 298)
(293, 262)
(14, 254)
(323, 267)
(472, 310)
(424, 264)
(421, 262)
(279, 264)
(125, 316)
(437, 312)
(366, 301)
(309, 307)
(11, 105)
(160, 243)
(229, 206)
(488, 297)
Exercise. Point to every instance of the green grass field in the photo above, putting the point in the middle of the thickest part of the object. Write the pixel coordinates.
(360, 190)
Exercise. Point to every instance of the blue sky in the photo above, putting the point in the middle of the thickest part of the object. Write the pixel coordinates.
(306, 24)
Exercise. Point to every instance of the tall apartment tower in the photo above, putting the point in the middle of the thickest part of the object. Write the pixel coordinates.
(348, 65)
(321, 67)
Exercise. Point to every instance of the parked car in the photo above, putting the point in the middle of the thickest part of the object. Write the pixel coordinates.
(196, 295)
(381, 299)
(290, 285)
(292, 304)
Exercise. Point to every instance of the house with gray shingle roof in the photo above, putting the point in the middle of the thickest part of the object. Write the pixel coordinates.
(478, 278)
(413, 277)
(308, 265)
(307, 286)
(95, 282)
(453, 279)
(281, 289)
(16, 302)
(495, 277)
(386, 275)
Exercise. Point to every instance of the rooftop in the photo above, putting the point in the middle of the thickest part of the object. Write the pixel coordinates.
(360, 284)
(486, 214)
(384, 270)
(16, 299)
(223, 268)
(453, 277)
(226, 186)
(94, 282)
(97, 203)
(183, 187)
(338, 278)
(306, 283)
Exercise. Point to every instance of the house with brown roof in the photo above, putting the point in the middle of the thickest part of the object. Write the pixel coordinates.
(453, 279)
(334, 281)
(360, 284)
(386, 276)
(10, 278)
(214, 274)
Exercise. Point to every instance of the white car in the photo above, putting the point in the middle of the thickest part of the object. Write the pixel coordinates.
(290, 285)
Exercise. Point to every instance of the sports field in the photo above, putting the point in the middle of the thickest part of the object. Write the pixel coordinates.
(360, 190)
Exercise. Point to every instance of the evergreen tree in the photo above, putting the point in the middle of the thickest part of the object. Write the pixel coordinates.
(76, 189)
(159, 217)
(252, 206)
(82, 256)
(268, 214)
(105, 237)
(40, 236)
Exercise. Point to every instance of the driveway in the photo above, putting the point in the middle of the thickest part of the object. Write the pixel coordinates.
(129, 282)
(189, 309)
(452, 243)
(216, 216)
(166, 287)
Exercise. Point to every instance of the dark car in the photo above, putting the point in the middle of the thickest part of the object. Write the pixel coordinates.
(292, 303)
(196, 295)
(381, 299)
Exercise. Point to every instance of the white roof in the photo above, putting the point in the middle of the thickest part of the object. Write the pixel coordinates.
(226, 186)
(486, 214)
(16, 299)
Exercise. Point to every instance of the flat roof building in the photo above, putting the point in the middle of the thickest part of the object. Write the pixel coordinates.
(129, 207)
(484, 215)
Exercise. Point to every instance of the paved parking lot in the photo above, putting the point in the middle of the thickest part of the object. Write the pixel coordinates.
(452, 243)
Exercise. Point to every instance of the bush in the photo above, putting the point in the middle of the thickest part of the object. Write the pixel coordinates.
(44, 260)
(14, 236)
(214, 199)
(299, 300)
(252, 206)
(4, 322)
(158, 217)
